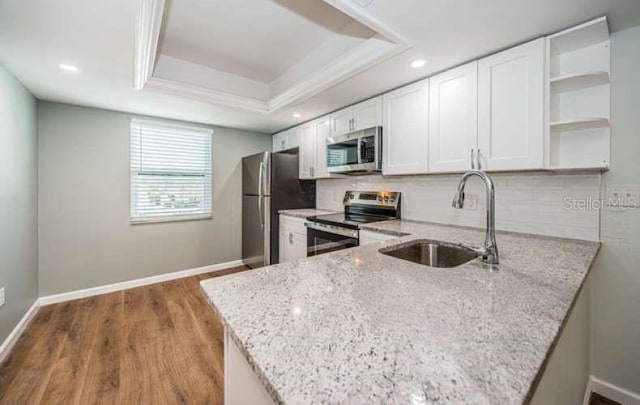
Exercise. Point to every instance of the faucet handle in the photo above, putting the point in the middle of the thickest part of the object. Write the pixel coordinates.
(458, 200)
(481, 251)
(473, 165)
(478, 160)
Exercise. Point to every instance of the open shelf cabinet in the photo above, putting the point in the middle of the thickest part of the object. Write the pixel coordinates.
(578, 102)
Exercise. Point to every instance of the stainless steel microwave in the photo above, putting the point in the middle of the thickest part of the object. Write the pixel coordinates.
(355, 152)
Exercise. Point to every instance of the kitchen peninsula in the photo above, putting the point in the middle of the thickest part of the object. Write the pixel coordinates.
(363, 327)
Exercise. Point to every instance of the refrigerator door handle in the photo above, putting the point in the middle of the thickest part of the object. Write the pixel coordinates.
(261, 195)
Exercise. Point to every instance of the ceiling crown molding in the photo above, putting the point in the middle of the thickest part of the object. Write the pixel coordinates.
(361, 58)
(364, 56)
(358, 13)
(205, 94)
(148, 26)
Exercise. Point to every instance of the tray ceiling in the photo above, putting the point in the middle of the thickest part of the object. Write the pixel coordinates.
(257, 39)
(258, 55)
(38, 35)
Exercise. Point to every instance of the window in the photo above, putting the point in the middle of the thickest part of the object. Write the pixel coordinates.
(170, 172)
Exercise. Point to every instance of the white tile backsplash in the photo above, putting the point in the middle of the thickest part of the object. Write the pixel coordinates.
(525, 202)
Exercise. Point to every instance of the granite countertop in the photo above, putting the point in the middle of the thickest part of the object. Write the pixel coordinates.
(304, 212)
(358, 326)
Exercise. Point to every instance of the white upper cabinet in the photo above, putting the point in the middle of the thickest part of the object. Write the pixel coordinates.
(364, 115)
(322, 129)
(511, 108)
(406, 130)
(279, 142)
(367, 114)
(286, 140)
(341, 121)
(579, 89)
(293, 139)
(453, 118)
(313, 149)
(306, 154)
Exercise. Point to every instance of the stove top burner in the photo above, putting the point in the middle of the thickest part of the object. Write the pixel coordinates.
(351, 221)
(363, 207)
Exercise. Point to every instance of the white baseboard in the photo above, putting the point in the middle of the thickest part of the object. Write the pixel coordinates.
(611, 391)
(125, 285)
(15, 334)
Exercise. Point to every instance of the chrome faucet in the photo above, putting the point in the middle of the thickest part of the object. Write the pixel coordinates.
(489, 251)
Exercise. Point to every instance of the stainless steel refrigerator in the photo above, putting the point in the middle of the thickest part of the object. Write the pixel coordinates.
(269, 184)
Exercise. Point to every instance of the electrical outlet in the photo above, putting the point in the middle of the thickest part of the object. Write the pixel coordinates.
(631, 196)
(1, 296)
(470, 201)
(622, 196)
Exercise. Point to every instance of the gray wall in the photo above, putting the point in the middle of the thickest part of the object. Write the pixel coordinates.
(18, 200)
(85, 236)
(615, 306)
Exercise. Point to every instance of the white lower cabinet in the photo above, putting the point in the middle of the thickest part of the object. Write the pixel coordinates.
(369, 237)
(241, 384)
(293, 238)
(406, 130)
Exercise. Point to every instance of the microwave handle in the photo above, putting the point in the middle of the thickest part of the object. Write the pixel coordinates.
(359, 151)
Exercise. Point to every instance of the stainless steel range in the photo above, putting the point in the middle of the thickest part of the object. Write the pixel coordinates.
(331, 232)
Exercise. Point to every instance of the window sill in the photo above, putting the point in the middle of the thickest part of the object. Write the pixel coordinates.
(171, 218)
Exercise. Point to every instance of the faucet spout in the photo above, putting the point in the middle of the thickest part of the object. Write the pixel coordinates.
(489, 251)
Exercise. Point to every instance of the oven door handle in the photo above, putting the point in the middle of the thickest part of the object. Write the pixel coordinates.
(351, 233)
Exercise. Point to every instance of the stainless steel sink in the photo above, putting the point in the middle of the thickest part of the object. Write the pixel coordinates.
(431, 253)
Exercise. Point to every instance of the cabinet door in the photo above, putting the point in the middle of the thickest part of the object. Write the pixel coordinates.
(306, 154)
(293, 138)
(511, 108)
(297, 245)
(342, 121)
(279, 142)
(322, 129)
(367, 114)
(293, 239)
(453, 118)
(406, 130)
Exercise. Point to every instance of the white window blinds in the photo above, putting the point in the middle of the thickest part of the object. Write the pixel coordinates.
(170, 172)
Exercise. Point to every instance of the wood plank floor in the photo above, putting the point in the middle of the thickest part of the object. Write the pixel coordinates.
(158, 344)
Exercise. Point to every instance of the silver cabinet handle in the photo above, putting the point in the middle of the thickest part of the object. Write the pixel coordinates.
(290, 238)
(478, 160)
(473, 165)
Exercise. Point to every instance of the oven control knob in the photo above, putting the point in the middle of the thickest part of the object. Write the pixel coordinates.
(392, 199)
(352, 196)
(379, 198)
(386, 198)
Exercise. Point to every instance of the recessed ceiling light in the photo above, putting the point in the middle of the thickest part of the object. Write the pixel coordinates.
(418, 63)
(68, 68)
(296, 115)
